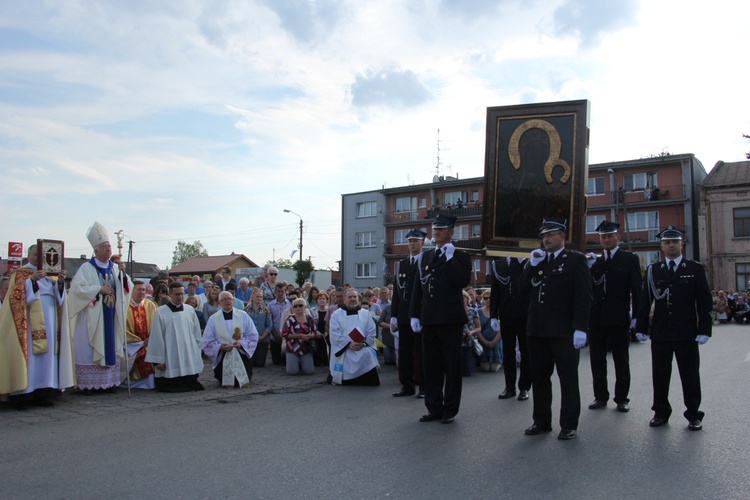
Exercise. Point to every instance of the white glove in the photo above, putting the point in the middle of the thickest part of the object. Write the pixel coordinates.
(590, 259)
(537, 256)
(495, 324)
(702, 339)
(394, 324)
(416, 325)
(632, 324)
(641, 336)
(579, 339)
(449, 249)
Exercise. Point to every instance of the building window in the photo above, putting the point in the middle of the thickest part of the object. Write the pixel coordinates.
(474, 196)
(639, 182)
(452, 198)
(422, 202)
(461, 232)
(741, 223)
(406, 204)
(596, 186)
(644, 221)
(476, 230)
(648, 258)
(367, 209)
(742, 271)
(365, 239)
(592, 222)
(366, 270)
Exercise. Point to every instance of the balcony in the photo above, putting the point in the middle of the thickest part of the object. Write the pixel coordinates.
(410, 216)
(660, 195)
(470, 210)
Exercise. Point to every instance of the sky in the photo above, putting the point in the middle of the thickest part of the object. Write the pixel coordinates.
(204, 120)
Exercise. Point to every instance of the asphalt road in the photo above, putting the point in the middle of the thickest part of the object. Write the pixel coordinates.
(291, 437)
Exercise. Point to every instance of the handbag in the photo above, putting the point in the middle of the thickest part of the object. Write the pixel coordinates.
(478, 349)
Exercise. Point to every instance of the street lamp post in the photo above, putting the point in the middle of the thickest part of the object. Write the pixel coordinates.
(300, 230)
(619, 196)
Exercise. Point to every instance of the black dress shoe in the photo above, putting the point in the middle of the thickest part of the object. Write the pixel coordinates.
(523, 395)
(447, 420)
(537, 429)
(420, 395)
(657, 421)
(566, 434)
(623, 407)
(597, 404)
(430, 417)
(506, 394)
(403, 392)
(695, 425)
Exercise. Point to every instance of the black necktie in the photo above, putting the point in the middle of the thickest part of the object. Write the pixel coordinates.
(438, 253)
(671, 266)
(413, 260)
(550, 257)
(609, 255)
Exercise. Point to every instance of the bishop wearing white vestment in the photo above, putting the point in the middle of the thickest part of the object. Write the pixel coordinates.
(174, 345)
(97, 300)
(354, 360)
(230, 340)
(36, 355)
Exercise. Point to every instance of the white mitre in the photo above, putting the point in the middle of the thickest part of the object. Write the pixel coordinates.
(97, 235)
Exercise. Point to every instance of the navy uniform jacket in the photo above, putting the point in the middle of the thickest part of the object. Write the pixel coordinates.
(682, 313)
(615, 283)
(506, 300)
(559, 296)
(403, 289)
(438, 289)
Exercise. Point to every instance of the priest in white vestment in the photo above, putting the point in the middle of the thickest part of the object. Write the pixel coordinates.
(174, 344)
(97, 301)
(36, 354)
(230, 340)
(354, 360)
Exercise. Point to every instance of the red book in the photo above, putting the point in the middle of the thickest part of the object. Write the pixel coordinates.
(356, 336)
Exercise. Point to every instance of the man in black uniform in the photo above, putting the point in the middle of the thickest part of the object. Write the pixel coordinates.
(558, 284)
(682, 320)
(507, 304)
(617, 286)
(437, 310)
(409, 342)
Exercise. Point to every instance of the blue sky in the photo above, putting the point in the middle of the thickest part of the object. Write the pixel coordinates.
(204, 120)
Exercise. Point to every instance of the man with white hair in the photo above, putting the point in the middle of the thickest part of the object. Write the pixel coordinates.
(97, 302)
(230, 340)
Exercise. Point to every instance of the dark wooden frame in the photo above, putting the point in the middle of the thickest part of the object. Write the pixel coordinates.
(41, 251)
(525, 181)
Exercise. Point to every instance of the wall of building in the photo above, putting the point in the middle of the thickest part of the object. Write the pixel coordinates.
(362, 264)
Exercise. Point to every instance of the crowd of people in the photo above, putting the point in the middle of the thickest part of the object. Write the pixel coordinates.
(105, 330)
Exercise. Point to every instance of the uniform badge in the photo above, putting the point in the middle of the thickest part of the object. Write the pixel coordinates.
(540, 272)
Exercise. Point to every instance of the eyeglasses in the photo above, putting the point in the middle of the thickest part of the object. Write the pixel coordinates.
(298, 305)
(273, 274)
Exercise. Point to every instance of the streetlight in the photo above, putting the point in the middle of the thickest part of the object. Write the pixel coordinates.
(300, 230)
(618, 193)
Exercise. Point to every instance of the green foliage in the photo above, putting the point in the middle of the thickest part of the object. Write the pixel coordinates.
(184, 251)
(304, 269)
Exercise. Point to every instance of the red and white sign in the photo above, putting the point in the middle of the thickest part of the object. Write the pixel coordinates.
(15, 250)
(13, 265)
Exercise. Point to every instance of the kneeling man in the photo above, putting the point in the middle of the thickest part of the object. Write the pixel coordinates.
(354, 360)
(174, 345)
(230, 339)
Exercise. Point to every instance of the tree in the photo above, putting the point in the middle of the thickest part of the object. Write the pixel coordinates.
(184, 251)
(282, 264)
(747, 155)
(304, 269)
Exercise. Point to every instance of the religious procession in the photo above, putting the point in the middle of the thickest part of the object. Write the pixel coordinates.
(101, 330)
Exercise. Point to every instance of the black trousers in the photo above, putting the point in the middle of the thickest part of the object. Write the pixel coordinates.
(441, 349)
(548, 353)
(247, 363)
(276, 357)
(513, 329)
(601, 340)
(409, 357)
(688, 363)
